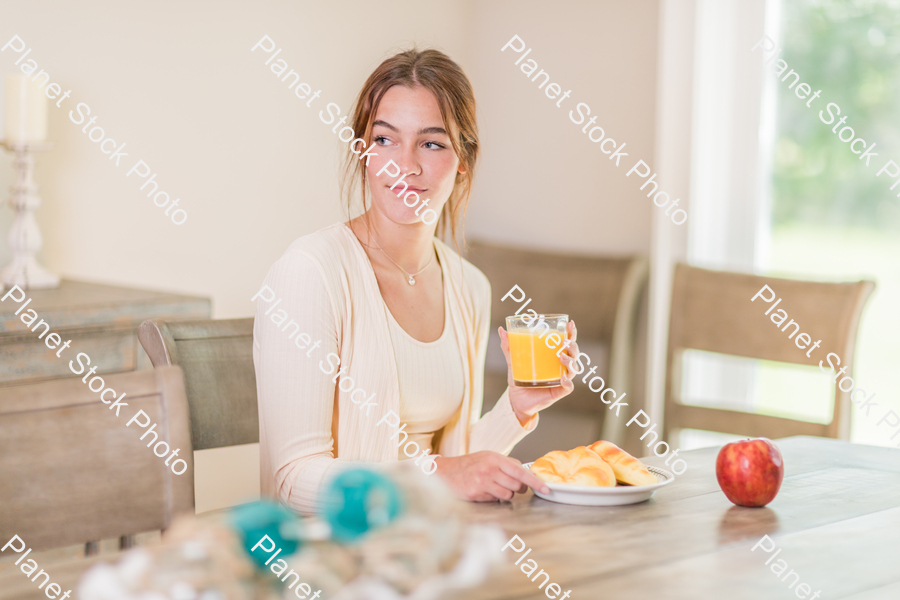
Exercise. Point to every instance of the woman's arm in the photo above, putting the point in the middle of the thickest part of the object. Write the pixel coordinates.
(498, 430)
(296, 397)
(485, 474)
(515, 414)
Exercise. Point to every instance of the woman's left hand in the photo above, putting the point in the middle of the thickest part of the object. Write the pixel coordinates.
(527, 401)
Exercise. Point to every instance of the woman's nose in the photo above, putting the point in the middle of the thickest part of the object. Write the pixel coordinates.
(408, 161)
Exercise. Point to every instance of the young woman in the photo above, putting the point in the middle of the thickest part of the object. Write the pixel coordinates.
(378, 315)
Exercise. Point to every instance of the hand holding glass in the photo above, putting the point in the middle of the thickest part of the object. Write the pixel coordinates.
(535, 345)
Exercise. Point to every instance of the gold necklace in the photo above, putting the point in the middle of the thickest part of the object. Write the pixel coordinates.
(411, 277)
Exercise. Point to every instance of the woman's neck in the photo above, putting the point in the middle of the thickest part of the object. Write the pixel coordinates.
(410, 246)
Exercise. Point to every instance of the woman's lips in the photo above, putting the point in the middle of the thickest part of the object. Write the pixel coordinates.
(400, 191)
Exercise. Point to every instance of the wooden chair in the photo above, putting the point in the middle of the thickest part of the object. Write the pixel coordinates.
(712, 311)
(601, 294)
(217, 359)
(71, 471)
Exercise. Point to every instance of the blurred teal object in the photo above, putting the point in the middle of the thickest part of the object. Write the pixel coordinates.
(257, 519)
(359, 500)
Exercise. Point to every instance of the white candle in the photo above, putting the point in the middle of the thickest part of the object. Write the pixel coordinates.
(26, 110)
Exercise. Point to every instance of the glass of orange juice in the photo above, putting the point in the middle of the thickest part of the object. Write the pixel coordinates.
(535, 345)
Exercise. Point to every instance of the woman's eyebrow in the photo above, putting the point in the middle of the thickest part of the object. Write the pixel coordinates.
(385, 124)
(421, 131)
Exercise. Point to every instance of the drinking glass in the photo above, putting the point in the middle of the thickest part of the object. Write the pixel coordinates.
(535, 345)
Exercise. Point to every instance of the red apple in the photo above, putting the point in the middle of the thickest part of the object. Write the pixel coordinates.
(750, 471)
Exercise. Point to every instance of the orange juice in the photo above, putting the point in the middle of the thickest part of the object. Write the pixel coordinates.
(534, 363)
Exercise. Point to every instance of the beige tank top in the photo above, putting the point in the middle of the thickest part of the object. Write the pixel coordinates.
(431, 381)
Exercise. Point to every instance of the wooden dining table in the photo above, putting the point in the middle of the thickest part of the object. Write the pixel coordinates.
(836, 522)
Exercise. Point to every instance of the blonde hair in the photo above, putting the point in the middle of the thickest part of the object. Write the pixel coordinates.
(436, 72)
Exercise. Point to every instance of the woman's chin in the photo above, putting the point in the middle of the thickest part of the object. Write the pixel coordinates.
(401, 215)
(414, 220)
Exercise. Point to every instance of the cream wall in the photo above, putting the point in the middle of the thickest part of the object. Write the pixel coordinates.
(256, 169)
(542, 183)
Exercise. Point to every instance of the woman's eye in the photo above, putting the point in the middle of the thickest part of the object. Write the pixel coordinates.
(380, 140)
(435, 146)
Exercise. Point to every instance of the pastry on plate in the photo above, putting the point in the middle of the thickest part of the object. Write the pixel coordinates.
(580, 466)
(627, 468)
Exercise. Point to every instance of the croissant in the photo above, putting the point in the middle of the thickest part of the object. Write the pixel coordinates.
(580, 466)
(627, 468)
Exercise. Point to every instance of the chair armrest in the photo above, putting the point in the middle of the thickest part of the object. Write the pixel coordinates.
(158, 343)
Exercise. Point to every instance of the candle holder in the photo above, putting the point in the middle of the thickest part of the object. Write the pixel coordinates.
(24, 236)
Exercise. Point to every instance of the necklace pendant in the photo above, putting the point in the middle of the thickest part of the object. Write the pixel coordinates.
(412, 281)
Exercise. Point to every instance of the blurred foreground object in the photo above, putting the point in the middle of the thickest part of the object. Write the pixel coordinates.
(357, 501)
(197, 560)
(409, 541)
(390, 534)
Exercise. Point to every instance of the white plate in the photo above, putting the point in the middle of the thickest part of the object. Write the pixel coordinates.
(587, 495)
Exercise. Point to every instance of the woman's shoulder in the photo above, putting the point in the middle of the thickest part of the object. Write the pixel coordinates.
(328, 251)
(324, 245)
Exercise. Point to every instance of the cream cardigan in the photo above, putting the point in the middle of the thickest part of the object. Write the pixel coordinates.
(308, 423)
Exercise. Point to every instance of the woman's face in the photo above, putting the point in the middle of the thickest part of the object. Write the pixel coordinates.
(408, 130)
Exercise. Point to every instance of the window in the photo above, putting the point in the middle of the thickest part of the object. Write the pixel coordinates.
(774, 190)
(831, 218)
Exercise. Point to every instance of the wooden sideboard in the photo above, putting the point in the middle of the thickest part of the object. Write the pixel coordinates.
(101, 321)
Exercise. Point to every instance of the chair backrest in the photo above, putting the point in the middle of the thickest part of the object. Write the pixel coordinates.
(70, 469)
(712, 311)
(599, 293)
(217, 359)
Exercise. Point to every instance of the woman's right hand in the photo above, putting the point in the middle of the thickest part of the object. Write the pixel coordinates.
(487, 476)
